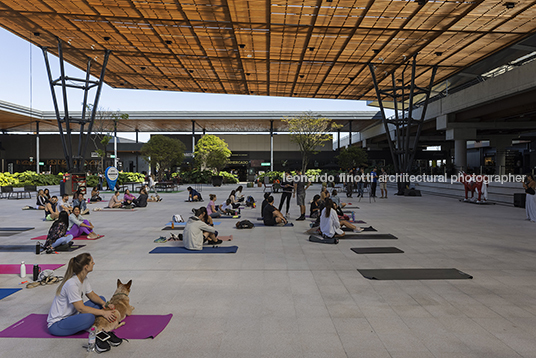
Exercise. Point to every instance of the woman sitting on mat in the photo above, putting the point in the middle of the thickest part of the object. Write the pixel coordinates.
(79, 226)
(235, 204)
(142, 199)
(238, 194)
(57, 234)
(95, 195)
(47, 194)
(272, 216)
(315, 206)
(197, 231)
(41, 200)
(68, 313)
(211, 207)
(329, 222)
(115, 202)
(128, 198)
(324, 193)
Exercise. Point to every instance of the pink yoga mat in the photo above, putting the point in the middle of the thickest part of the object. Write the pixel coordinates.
(15, 268)
(44, 238)
(136, 327)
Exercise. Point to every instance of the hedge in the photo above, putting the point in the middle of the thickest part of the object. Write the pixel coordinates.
(32, 178)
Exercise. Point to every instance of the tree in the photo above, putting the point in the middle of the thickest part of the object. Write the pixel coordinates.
(310, 131)
(163, 152)
(352, 157)
(103, 129)
(212, 152)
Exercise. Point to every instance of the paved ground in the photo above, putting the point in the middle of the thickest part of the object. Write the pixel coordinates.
(283, 296)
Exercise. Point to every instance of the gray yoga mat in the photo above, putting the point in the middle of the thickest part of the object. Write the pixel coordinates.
(370, 228)
(415, 274)
(16, 228)
(362, 236)
(377, 250)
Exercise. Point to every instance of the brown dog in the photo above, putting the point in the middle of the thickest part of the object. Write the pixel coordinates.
(122, 308)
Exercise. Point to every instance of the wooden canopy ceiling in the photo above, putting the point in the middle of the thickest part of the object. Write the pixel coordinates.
(316, 49)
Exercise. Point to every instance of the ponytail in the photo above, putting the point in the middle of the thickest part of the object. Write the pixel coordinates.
(329, 205)
(75, 266)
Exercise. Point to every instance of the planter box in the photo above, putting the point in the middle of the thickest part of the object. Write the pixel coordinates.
(217, 180)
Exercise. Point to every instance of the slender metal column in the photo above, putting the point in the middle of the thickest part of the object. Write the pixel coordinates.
(115, 143)
(339, 140)
(271, 145)
(193, 137)
(137, 168)
(37, 146)
(349, 133)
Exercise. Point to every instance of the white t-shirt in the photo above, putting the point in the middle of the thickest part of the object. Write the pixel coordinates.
(330, 225)
(72, 291)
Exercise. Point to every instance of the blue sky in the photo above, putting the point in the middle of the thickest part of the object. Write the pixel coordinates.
(16, 85)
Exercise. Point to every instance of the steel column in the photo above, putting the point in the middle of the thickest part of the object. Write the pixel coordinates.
(37, 146)
(193, 137)
(271, 145)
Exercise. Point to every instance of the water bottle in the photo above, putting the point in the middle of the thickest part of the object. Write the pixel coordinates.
(36, 272)
(91, 339)
(22, 269)
(353, 215)
(38, 248)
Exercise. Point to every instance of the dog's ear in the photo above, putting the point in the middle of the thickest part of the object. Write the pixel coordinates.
(119, 283)
(129, 283)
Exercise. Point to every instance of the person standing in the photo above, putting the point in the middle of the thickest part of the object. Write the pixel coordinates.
(374, 182)
(383, 184)
(288, 187)
(300, 187)
(530, 203)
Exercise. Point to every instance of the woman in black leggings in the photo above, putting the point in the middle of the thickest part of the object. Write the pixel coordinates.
(288, 186)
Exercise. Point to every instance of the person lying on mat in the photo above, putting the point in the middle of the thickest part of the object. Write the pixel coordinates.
(52, 211)
(95, 195)
(79, 226)
(68, 313)
(211, 207)
(81, 203)
(142, 199)
(193, 195)
(272, 216)
(115, 202)
(197, 231)
(57, 234)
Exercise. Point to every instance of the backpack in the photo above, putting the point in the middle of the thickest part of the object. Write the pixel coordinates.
(250, 202)
(244, 224)
(177, 218)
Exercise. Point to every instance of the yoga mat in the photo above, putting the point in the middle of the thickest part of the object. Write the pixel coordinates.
(228, 217)
(44, 238)
(376, 250)
(370, 228)
(118, 209)
(474, 202)
(177, 227)
(177, 224)
(415, 274)
(17, 248)
(4, 292)
(183, 250)
(71, 248)
(136, 327)
(262, 224)
(15, 268)
(16, 228)
(361, 236)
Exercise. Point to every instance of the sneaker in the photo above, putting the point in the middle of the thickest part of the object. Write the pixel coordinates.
(161, 239)
(114, 340)
(301, 218)
(101, 346)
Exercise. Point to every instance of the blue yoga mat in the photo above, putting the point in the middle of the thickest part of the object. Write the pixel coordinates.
(4, 292)
(183, 250)
(176, 224)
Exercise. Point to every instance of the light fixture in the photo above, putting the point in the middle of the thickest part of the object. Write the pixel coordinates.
(247, 74)
(37, 33)
(191, 71)
(302, 76)
(376, 51)
(351, 78)
(143, 68)
(509, 5)
(242, 46)
(165, 86)
(106, 38)
(311, 48)
(421, 2)
(439, 53)
(169, 42)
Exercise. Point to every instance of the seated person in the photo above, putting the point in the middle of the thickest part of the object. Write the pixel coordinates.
(226, 208)
(68, 313)
(128, 198)
(95, 195)
(329, 222)
(63, 205)
(211, 207)
(47, 194)
(115, 202)
(79, 226)
(264, 203)
(235, 204)
(336, 199)
(272, 216)
(324, 193)
(315, 206)
(41, 200)
(142, 199)
(81, 203)
(238, 194)
(193, 195)
(57, 234)
(52, 211)
(197, 231)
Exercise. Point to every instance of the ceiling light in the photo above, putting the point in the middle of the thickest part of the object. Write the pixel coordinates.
(169, 42)
(439, 53)
(311, 48)
(143, 68)
(242, 46)
(37, 34)
(509, 5)
(106, 38)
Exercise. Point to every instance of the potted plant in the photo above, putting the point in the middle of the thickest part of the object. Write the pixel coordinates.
(212, 152)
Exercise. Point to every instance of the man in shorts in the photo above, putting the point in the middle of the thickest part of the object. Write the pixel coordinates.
(383, 184)
(300, 186)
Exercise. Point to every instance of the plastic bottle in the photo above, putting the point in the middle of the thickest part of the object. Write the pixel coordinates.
(22, 269)
(91, 339)
(353, 215)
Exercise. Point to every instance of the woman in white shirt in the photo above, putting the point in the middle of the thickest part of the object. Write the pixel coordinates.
(329, 221)
(68, 313)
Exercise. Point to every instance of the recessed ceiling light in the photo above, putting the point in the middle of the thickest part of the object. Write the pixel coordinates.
(242, 46)
(106, 38)
(510, 5)
(169, 42)
(37, 33)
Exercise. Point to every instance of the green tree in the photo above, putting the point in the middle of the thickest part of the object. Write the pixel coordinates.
(163, 152)
(310, 131)
(212, 152)
(352, 157)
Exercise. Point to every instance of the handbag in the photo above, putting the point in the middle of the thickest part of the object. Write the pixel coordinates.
(530, 191)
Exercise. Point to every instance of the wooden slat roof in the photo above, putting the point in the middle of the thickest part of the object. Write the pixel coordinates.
(315, 49)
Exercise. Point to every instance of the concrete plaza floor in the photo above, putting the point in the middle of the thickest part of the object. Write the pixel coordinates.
(283, 296)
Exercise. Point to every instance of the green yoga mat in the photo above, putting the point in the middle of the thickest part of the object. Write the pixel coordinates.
(376, 250)
(415, 274)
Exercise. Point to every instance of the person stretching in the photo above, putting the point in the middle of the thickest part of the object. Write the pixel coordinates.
(57, 234)
(272, 216)
(196, 231)
(69, 314)
(193, 195)
(79, 226)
